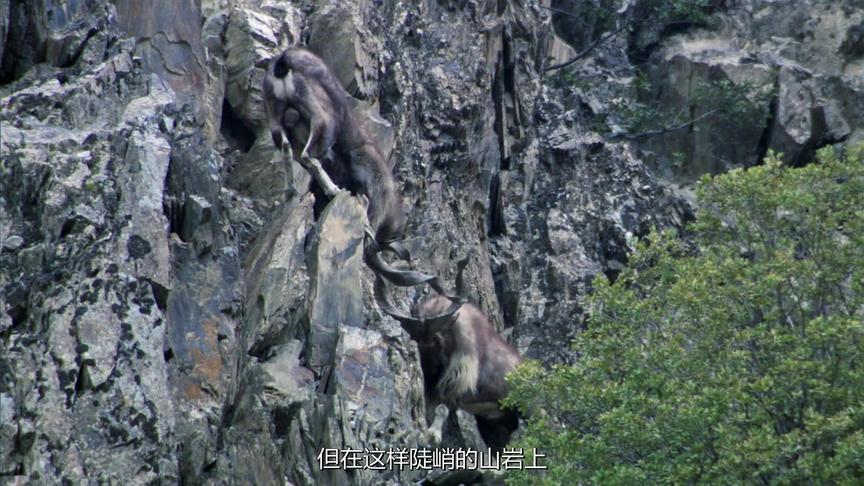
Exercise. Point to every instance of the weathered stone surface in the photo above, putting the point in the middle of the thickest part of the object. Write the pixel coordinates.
(559, 51)
(170, 310)
(5, 20)
(82, 358)
(335, 260)
(250, 40)
(286, 376)
(277, 280)
(59, 33)
(205, 296)
(363, 376)
(685, 68)
(799, 52)
(351, 58)
(169, 45)
(804, 120)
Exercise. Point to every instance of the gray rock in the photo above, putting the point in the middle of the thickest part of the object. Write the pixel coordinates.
(5, 7)
(684, 69)
(799, 52)
(263, 175)
(334, 259)
(286, 376)
(169, 45)
(13, 243)
(351, 63)
(250, 40)
(61, 34)
(171, 311)
(277, 280)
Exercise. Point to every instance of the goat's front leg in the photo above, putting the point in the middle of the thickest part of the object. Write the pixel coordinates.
(435, 431)
(313, 166)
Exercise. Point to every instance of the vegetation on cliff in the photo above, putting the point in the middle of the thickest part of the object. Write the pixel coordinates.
(734, 359)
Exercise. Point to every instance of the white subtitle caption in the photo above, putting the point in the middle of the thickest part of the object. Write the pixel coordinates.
(447, 459)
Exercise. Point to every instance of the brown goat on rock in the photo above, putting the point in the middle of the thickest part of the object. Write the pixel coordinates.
(303, 99)
(463, 358)
(464, 363)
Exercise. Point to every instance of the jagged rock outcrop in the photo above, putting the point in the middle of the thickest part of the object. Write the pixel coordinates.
(171, 310)
(798, 62)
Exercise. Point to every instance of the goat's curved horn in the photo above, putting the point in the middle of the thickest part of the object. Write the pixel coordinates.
(418, 328)
(399, 249)
(373, 246)
(382, 297)
(435, 323)
(407, 278)
(461, 288)
(402, 278)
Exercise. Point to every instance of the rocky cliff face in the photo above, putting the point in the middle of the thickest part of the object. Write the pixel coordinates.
(169, 307)
(803, 58)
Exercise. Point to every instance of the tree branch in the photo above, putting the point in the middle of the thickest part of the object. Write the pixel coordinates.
(588, 49)
(562, 12)
(661, 131)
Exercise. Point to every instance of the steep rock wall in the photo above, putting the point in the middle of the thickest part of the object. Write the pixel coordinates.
(169, 307)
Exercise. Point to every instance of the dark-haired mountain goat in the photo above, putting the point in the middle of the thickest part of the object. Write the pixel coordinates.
(464, 362)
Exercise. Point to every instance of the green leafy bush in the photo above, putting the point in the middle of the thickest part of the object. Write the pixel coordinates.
(737, 360)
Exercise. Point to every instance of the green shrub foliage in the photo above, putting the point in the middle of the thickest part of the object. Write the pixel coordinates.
(739, 359)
